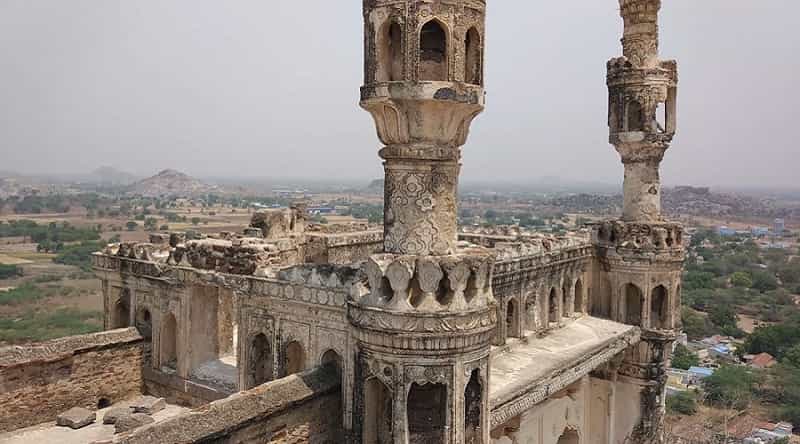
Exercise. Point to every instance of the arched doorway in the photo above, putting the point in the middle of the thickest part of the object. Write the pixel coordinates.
(633, 305)
(169, 343)
(578, 307)
(472, 57)
(259, 361)
(391, 53)
(433, 51)
(331, 357)
(122, 310)
(426, 413)
(553, 304)
(294, 359)
(377, 413)
(569, 437)
(473, 406)
(144, 323)
(512, 319)
(658, 307)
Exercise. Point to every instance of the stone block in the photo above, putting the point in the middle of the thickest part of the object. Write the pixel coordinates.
(148, 405)
(126, 423)
(112, 415)
(76, 418)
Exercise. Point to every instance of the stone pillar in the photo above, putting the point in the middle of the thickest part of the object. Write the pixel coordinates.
(642, 253)
(425, 323)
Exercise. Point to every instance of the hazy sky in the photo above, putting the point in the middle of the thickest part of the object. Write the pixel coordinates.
(265, 88)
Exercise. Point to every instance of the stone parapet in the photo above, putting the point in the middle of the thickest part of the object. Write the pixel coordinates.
(663, 240)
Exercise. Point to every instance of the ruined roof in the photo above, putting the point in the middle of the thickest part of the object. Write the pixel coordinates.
(529, 372)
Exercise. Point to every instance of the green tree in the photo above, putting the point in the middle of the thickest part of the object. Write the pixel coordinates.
(697, 279)
(741, 279)
(9, 271)
(764, 281)
(150, 224)
(195, 221)
(731, 386)
(684, 358)
(683, 403)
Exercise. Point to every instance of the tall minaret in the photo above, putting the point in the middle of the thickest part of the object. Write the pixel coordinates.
(641, 256)
(425, 324)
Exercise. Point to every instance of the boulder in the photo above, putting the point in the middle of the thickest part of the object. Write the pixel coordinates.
(131, 421)
(112, 415)
(148, 404)
(76, 418)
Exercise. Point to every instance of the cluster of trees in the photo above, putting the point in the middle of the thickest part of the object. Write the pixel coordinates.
(52, 237)
(371, 212)
(735, 276)
(9, 271)
(79, 255)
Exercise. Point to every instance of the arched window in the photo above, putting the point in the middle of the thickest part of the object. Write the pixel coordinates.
(472, 57)
(426, 413)
(634, 116)
(553, 304)
(433, 52)
(169, 342)
(658, 307)
(144, 323)
(512, 324)
(259, 361)
(377, 413)
(390, 53)
(473, 407)
(122, 310)
(578, 308)
(294, 359)
(633, 305)
(569, 437)
(331, 356)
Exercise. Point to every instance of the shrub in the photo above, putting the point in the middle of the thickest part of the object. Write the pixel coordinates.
(684, 403)
(9, 271)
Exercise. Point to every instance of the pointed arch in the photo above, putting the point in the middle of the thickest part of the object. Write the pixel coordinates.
(433, 51)
(259, 361)
(578, 302)
(473, 409)
(569, 437)
(633, 304)
(634, 116)
(659, 308)
(512, 319)
(390, 52)
(169, 342)
(427, 411)
(294, 359)
(473, 66)
(553, 306)
(378, 413)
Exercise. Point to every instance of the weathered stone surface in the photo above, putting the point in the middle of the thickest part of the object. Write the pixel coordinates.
(76, 418)
(112, 415)
(131, 421)
(148, 404)
(40, 381)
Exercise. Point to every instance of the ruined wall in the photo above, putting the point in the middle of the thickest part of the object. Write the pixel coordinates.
(298, 409)
(342, 248)
(40, 381)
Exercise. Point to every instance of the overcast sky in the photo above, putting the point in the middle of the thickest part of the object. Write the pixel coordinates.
(267, 88)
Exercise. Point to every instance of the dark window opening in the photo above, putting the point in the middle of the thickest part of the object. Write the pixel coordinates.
(433, 52)
(553, 303)
(259, 361)
(633, 305)
(426, 413)
(472, 58)
(294, 359)
(658, 308)
(103, 403)
(635, 117)
(473, 407)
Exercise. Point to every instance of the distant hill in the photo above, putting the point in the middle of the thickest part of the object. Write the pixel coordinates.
(375, 187)
(171, 183)
(107, 175)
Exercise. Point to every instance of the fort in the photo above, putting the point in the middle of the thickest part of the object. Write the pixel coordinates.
(414, 333)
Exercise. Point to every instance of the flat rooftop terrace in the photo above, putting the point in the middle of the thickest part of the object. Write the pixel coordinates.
(50, 433)
(528, 371)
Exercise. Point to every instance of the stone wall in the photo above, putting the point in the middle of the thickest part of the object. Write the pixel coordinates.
(40, 381)
(298, 409)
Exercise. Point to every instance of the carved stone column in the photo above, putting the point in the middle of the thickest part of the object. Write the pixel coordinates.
(424, 321)
(642, 254)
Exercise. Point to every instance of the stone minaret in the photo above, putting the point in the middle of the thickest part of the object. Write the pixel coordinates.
(425, 323)
(642, 254)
